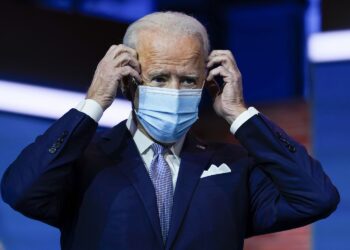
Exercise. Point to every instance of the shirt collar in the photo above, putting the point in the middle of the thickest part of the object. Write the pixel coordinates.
(143, 142)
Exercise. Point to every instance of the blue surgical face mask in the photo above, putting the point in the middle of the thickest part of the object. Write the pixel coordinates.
(167, 114)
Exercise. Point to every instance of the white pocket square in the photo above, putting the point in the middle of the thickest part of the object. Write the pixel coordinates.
(214, 170)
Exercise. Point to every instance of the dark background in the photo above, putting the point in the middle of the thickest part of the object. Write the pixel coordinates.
(58, 43)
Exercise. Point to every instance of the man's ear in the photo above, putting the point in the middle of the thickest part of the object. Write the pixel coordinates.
(125, 90)
(129, 87)
(135, 100)
(213, 88)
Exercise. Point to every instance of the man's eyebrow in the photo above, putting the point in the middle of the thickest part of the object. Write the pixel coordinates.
(154, 73)
(190, 75)
(158, 73)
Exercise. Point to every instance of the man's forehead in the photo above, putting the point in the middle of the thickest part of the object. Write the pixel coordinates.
(156, 41)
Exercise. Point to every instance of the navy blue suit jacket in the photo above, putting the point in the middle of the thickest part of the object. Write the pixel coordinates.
(97, 192)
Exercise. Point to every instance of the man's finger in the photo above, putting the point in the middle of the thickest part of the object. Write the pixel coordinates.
(126, 59)
(128, 71)
(218, 71)
(228, 53)
(222, 60)
(221, 52)
(111, 48)
(110, 53)
(124, 49)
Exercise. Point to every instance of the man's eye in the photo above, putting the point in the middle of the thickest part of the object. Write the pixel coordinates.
(158, 79)
(189, 81)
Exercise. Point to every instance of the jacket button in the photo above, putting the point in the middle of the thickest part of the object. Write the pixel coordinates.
(284, 140)
(64, 134)
(291, 148)
(56, 145)
(279, 135)
(52, 150)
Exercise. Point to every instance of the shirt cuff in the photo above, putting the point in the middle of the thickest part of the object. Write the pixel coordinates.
(90, 108)
(242, 118)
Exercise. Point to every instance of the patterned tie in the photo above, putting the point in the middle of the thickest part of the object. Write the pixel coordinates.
(162, 180)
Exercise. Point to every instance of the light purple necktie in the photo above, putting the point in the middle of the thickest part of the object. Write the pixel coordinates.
(162, 180)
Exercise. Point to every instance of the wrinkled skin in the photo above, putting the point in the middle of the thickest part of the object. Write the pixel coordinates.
(161, 60)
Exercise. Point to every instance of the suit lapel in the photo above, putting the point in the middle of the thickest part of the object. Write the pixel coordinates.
(194, 159)
(119, 146)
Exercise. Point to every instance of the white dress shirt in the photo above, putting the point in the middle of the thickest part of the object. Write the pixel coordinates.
(143, 143)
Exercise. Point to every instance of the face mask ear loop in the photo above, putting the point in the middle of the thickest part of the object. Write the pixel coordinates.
(133, 89)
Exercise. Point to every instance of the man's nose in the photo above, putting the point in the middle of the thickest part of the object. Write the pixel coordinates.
(174, 84)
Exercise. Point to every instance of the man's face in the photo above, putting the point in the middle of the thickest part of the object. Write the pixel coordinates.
(171, 62)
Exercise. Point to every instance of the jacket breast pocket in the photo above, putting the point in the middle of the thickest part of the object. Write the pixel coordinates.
(221, 180)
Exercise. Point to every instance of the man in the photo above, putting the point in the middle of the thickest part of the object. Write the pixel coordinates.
(146, 183)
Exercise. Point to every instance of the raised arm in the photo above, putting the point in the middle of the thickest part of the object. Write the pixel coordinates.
(40, 183)
(288, 188)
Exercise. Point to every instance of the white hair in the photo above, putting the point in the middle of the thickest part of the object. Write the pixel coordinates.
(175, 23)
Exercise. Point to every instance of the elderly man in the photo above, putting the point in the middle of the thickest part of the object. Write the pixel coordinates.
(147, 183)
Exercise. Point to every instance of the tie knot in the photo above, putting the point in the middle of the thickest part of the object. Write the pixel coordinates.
(158, 149)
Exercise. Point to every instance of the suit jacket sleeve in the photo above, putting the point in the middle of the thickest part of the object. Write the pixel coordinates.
(287, 187)
(39, 183)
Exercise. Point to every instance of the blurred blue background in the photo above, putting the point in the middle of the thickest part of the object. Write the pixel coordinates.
(58, 43)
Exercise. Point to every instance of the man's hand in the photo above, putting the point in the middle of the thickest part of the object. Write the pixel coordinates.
(229, 103)
(120, 61)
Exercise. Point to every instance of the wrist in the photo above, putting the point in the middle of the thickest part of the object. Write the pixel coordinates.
(97, 100)
(231, 116)
(243, 118)
(91, 108)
